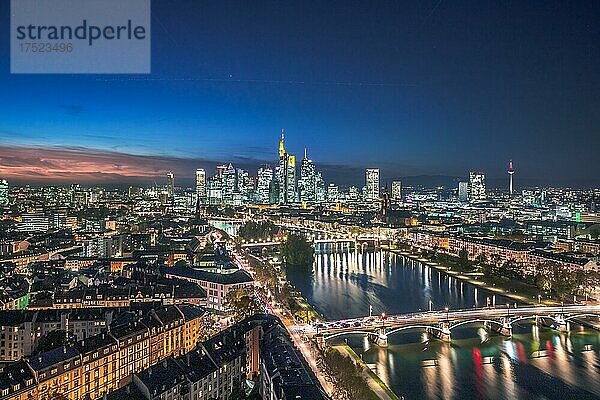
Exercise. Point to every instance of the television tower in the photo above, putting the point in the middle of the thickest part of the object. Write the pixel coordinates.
(511, 172)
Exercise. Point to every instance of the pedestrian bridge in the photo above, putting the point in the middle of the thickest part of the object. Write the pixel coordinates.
(441, 323)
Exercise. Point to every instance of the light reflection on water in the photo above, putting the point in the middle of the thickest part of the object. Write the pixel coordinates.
(535, 363)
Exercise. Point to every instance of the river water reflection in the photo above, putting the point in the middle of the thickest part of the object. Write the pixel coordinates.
(536, 363)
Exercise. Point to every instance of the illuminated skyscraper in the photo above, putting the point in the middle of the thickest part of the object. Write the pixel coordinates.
(353, 193)
(286, 174)
(3, 192)
(264, 185)
(229, 184)
(214, 190)
(511, 172)
(170, 184)
(372, 184)
(333, 193)
(396, 191)
(291, 179)
(476, 186)
(463, 191)
(320, 188)
(307, 184)
(245, 185)
(201, 185)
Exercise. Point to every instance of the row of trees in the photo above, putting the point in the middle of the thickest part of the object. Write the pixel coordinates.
(243, 303)
(548, 277)
(272, 278)
(348, 375)
(253, 230)
(298, 252)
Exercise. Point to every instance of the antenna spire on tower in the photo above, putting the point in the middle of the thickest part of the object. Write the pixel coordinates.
(281, 146)
(511, 171)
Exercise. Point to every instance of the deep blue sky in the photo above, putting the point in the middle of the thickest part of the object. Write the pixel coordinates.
(422, 87)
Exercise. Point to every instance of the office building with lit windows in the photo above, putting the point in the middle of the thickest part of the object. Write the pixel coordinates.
(372, 184)
(476, 186)
(396, 191)
(201, 185)
(3, 192)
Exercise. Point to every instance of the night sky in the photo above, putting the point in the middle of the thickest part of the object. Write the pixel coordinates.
(415, 88)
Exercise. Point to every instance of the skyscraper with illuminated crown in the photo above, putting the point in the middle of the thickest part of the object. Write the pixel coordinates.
(286, 174)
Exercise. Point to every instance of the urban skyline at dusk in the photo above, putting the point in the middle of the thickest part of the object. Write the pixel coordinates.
(299, 199)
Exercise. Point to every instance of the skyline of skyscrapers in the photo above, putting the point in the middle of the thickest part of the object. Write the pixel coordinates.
(287, 185)
(284, 185)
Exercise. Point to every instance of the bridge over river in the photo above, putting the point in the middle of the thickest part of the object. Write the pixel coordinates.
(442, 323)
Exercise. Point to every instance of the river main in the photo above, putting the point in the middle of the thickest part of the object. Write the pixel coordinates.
(535, 363)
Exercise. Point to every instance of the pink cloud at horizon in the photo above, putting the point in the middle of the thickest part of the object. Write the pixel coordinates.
(85, 165)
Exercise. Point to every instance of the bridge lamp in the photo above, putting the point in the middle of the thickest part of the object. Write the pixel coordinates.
(447, 313)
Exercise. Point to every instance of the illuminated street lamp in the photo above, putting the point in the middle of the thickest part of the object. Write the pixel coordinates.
(447, 314)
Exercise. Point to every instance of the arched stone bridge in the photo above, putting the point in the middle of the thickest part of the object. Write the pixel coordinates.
(442, 323)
